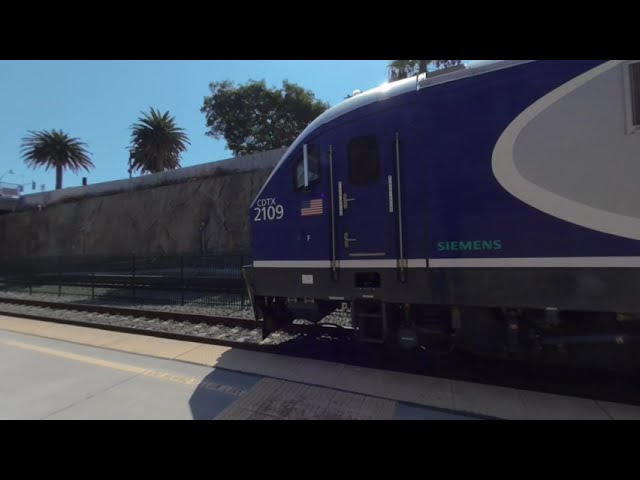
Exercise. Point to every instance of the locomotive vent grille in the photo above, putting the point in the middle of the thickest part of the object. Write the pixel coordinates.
(634, 84)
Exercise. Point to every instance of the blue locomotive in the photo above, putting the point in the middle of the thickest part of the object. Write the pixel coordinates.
(496, 203)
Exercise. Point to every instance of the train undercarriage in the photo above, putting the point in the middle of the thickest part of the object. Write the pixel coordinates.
(592, 320)
(589, 339)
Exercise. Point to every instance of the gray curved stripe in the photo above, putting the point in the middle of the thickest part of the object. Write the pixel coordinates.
(506, 172)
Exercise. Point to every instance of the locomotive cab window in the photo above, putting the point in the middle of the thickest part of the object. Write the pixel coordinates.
(364, 161)
(300, 181)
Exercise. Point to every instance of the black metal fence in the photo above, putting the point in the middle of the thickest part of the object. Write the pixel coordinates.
(208, 280)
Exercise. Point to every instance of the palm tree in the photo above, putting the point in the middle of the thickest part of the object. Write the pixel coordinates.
(400, 69)
(55, 149)
(156, 143)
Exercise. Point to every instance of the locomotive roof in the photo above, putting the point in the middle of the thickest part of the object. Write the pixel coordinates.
(389, 90)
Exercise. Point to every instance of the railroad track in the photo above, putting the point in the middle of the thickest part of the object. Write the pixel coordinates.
(333, 344)
(226, 331)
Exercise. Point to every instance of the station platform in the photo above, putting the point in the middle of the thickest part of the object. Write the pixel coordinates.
(55, 371)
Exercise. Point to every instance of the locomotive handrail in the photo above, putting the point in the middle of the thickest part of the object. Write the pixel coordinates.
(400, 239)
(333, 223)
(306, 165)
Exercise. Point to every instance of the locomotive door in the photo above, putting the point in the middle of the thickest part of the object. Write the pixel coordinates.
(364, 175)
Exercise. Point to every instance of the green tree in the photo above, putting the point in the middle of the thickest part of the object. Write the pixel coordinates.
(255, 118)
(156, 143)
(55, 149)
(401, 69)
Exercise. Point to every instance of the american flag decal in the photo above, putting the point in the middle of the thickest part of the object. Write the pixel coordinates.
(310, 208)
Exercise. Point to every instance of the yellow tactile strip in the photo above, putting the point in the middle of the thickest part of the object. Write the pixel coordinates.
(278, 399)
(447, 394)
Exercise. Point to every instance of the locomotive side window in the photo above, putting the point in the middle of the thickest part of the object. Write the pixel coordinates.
(364, 161)
(313, 166)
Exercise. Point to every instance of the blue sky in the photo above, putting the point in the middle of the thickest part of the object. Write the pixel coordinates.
(97, 101)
